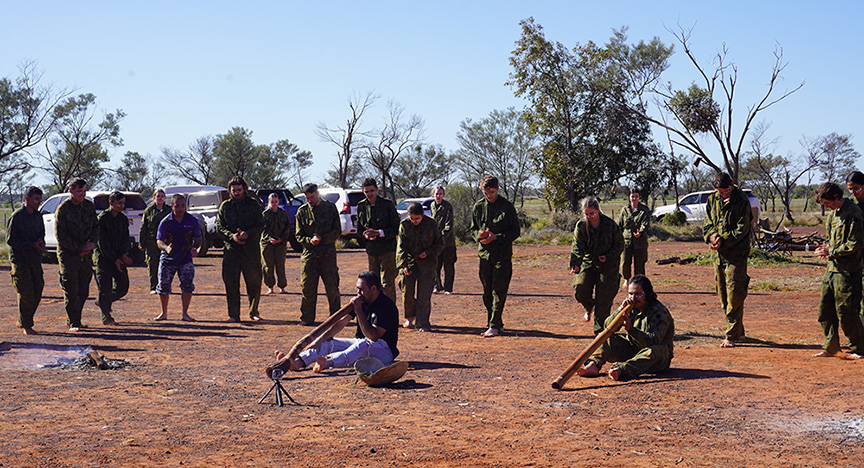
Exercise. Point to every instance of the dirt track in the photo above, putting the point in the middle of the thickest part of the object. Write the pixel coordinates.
(191, 396)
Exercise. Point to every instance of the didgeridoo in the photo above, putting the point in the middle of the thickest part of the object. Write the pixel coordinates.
(313, 337)
(562, 379)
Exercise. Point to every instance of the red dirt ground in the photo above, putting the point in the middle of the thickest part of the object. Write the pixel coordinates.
(192, 396)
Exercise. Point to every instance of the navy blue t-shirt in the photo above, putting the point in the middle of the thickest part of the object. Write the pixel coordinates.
(181, 234)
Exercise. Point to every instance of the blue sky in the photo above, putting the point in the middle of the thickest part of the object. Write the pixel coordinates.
(181, 70)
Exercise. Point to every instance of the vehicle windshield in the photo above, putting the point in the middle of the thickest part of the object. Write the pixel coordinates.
(355, 197)
(689, 200)
(133, 203)
(331, 197)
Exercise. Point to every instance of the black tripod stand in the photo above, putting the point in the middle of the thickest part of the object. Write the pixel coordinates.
(277, 385)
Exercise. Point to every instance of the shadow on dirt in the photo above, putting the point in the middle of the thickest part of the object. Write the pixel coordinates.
(508, 332)
(747, 342)
(675, 374)
(429, 365)
(409, 384)
(168, 331)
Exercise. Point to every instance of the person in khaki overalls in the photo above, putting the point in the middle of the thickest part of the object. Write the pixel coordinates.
(274, 244)
(318, 229)
(26, 239)
(841, 286)
(442, 212)
(239, 224)
(594, 259)
(153, 215)
(76, 231)
(496, 225)
(417, 251)
(634, 221)
(378, 226)
(728, 222)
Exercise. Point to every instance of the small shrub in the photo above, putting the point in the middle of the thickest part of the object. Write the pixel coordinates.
(541, 223)
(675, 218)
(565, 220)
(760, 257)
(685, 233)
(525, 221)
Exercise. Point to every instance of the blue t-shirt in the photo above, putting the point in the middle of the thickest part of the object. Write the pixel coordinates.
(181, 234)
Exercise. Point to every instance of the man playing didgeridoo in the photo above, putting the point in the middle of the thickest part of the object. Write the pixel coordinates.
(376, 336)
(646, 347)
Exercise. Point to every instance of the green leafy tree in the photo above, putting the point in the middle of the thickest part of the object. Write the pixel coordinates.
(135, 174)
(234, 153)
(836, 153)
(15, 182)
(462, 197)
(588, 138)
(293, 161)
(352, 177)
(76, 148)
(421, 169)
(501, 145)
(27, 115)
(262, 166)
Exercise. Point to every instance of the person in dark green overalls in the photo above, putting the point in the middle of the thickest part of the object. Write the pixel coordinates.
(26, 239)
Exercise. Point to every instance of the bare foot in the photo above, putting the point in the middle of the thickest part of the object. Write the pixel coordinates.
(187, 318)
(408, 323)
(297, 365)
(160, 317)
(278, 355)
(29, 331)
(590, 369)
(727, 343)
(615, 373)
(321, 364)
(823, 354)
(491, 332)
